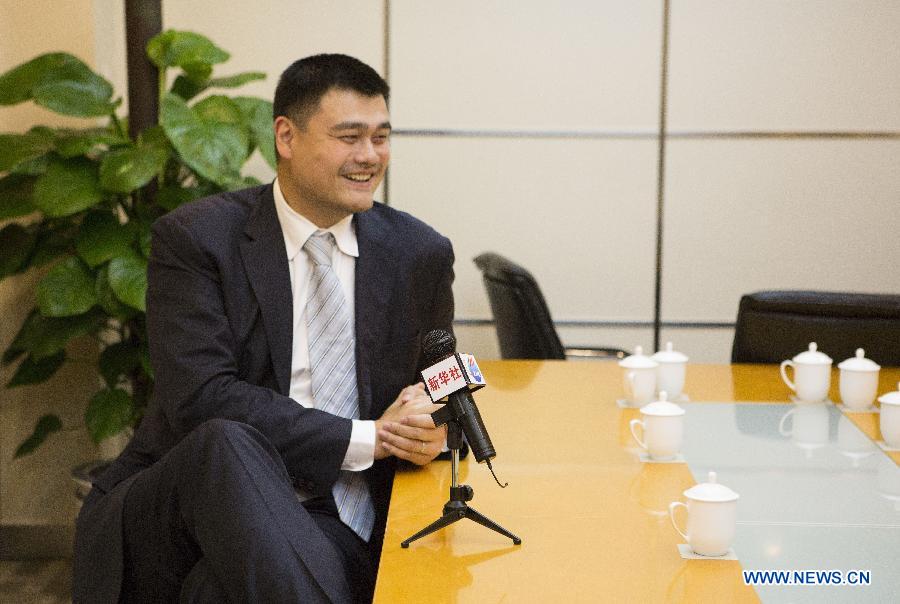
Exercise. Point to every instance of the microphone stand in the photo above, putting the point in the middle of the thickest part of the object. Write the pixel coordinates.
(456, 508)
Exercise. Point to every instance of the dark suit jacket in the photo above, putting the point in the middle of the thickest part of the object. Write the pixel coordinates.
(219, 315)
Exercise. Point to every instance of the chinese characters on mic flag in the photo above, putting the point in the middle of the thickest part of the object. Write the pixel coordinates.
(451, 374)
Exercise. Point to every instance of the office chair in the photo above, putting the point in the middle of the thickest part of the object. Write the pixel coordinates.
(776, 325)
(524, 326)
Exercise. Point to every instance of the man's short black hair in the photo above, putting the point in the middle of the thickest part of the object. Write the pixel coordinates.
(305, 82)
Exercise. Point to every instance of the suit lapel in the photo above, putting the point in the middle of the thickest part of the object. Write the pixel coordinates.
(265, 262)
(374, 283)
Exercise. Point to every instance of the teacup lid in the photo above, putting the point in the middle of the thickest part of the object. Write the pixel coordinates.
(669, 355)
(859, 362)
(662, 407)
(891, 398)
(711, 491)
(638, 360)
(813, 356)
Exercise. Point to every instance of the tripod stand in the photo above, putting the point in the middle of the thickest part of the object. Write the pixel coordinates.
(456, 508)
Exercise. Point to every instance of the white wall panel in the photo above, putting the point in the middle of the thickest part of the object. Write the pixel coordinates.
(744, 215)
(700, 345)
(778, 65)
(578, 214)
(525, 65)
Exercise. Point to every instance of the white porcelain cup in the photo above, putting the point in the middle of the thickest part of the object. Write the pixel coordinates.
(889, 422)
(808, 426)
(662, 429)
(671, 371)
(639, 377)
(711, 517)
(812, 374)
(858, 381)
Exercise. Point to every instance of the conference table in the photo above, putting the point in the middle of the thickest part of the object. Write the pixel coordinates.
(816, 493)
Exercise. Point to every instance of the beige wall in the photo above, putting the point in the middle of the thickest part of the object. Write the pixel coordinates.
(37, 489)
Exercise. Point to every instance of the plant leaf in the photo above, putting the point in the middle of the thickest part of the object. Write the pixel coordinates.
(102, 237)
(237, 80)
(16, 149)
(219, 108)
(187, 88)
(108, 413)
(72, 143)
(172, 196)
(125, 170)
(37, 372)
(44, 337)
(107, 299)
(215, 150)
(17, 83)
(52, 244)
(173, 48)
(128, 280)
(72, 88)
(117, 360)
(67, 187)
(46, 425)
(16, 245)
(258, 117)
(67, 290)
(15, 196)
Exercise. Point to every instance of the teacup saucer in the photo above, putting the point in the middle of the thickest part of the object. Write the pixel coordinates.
(846, 409)
(886, 447)
(688, 554)
(623, 404)
(645, 458)
(800, 401)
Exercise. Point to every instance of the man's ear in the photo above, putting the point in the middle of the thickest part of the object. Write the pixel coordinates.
(284, 134)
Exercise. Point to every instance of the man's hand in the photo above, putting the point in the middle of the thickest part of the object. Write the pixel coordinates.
(406, 429)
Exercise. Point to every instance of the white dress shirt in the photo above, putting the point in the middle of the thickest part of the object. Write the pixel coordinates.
(296, 230)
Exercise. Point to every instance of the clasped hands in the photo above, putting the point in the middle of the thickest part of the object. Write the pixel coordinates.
(406, 429)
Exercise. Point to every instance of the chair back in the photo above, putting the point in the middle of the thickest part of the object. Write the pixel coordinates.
(524, 326)
(776, 325)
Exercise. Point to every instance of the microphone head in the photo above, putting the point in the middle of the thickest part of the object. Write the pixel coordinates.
(437, 345)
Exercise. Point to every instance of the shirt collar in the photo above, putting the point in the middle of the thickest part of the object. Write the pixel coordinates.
(296, 228)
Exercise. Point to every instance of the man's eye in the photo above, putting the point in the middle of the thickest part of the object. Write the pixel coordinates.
(380, 139)
(349, 138)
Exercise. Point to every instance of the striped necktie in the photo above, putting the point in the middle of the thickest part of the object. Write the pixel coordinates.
(332, 363)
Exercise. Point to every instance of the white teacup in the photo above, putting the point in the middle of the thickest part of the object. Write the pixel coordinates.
(662, 428)
(812, 374)
(858, 381)
(671, 371)
(889, 421)
(639, 377)
(712, 515)
(809, 426)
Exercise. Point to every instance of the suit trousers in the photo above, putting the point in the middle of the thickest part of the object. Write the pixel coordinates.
(217, 520)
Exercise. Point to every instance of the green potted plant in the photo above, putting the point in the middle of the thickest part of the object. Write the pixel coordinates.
(83, 201)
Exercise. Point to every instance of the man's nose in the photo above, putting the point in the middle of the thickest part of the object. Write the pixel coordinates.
(366, 152)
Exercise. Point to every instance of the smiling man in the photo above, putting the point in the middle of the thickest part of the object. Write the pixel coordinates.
(285, 325)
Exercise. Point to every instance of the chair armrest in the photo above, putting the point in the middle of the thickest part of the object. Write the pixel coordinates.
(597, 354)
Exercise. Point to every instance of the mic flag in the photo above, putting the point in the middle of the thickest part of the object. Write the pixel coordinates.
(449, 375)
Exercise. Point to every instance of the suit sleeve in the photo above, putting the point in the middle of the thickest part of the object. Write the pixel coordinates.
(195, 358)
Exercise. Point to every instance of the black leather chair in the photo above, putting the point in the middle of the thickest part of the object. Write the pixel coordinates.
(776, 325)
(525, 328)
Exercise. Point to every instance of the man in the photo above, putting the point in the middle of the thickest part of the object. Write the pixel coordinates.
(285, 325)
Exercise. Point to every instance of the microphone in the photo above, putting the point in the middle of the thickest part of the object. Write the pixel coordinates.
(448, 374)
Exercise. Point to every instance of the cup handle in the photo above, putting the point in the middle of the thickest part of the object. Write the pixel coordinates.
(781, 429)
(784, 365)
(631, 426)
(672, 507)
